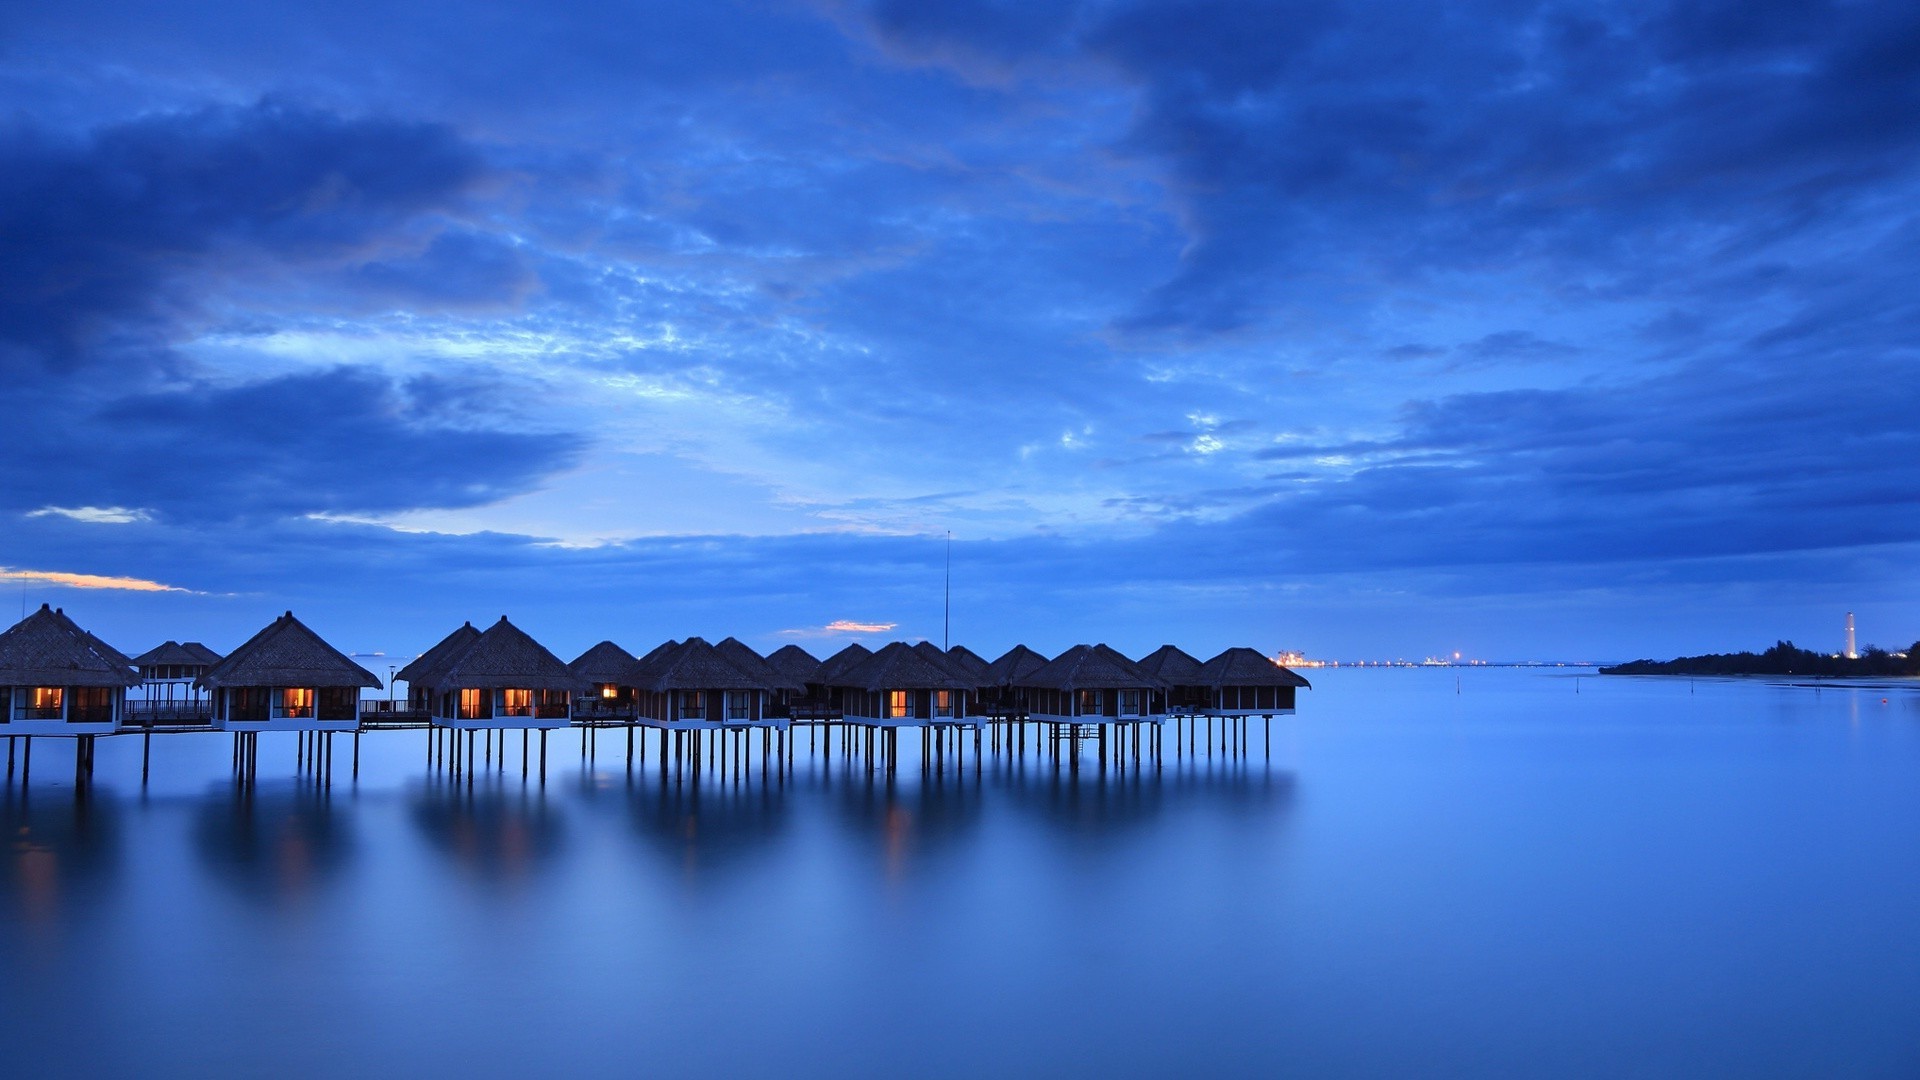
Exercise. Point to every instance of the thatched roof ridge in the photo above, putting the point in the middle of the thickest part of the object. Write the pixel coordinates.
(696, 665)
(47, 649)
(175, 654)
(795, 663)
(1091, 667)
(836, 665)
(425, 666)
(743, 657)
(651, 658)
(504, 657)
(899, 666)
(1014, 665)
(607, 663)
(1248, 667)
(970, 662)
(287, 653)
(1171, 665)
(941, 658)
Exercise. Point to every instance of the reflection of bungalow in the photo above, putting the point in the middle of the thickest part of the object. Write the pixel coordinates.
(1005, 674)
(1186, 691)
(1242, 682)
(502, 679)
(420, 674)
(694, 685)
(286, 679)
(901, 686)
(57, 679)
(612, 679)
(1091, 684)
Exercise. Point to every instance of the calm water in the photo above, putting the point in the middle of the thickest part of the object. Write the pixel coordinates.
(1633, 879)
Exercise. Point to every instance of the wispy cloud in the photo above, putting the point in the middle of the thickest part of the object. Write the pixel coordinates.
(87, 581)
(97, 515)
(841, 626)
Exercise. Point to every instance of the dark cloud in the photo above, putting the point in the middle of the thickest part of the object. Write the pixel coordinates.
(340, 441)
(100, 234)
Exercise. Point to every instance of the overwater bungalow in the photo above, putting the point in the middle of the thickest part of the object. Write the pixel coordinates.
(975, 666)
(611, 676)
(695, 685)
(795, 663)
(169, 678)
(825, 686)
(285, 678)
(502, 679)
(419, 674)
(1242, 682)
(1186, 692)
(902, 686)
(1002, 690)
(1092, 684)
(781, 689)
(57, 679)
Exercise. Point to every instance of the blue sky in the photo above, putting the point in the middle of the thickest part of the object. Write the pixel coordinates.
(1564, 330)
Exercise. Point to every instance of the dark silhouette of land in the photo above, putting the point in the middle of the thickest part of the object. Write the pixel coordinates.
(1784, 658)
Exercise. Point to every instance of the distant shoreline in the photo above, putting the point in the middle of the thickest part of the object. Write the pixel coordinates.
(1783, 660)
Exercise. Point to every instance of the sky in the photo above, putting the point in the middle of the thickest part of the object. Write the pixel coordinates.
(1523, 330)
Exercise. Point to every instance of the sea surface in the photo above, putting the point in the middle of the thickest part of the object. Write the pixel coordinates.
(1429, 872)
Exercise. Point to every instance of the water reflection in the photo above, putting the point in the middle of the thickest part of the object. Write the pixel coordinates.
(57, 844)
(500, 832)
(710, 826)
(276, 841)
(1131, 801)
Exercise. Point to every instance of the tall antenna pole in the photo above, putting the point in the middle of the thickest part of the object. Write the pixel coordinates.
(946, 623)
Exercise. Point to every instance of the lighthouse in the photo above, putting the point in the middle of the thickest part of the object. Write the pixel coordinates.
(1852, 652)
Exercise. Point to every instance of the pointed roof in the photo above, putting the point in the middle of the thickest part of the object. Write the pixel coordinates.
(653, 656)
(970, 662)
(421, 671)
(836, 665)
(695, 665)
(503, 657)
(795, 663)
(286, 653)
(174, 654)
(744, 658)
(899, 666)
(1014, 665)
(1091, 667)
(1247, 667)
(607, 663)
(47, 649)
(1171, 665)
(940, 657)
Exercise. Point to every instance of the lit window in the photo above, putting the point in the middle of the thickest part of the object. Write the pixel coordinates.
(472, 704)
(296, 703)
(516, 703)
(896, 704)
(609, 691)
(943, 703)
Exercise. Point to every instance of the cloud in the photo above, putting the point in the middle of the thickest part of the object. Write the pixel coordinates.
(69, 580)
(97, 515)
(841, 626)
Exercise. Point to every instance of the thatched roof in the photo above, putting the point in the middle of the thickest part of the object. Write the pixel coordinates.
(503, 657)
(900, 666)
(695, 665)
(652, 657)
(174, 654)
(423, 668)
(607, 663)
(1247, 667)
(286, 653)
(941, 658)
(1091, 667)
(1014, 665)
(970, 662)
(1171, 666)
(47, 649)
(795, 663)
(836, 665)
(744, 658)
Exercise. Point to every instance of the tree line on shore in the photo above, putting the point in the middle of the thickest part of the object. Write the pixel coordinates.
(1785, 658)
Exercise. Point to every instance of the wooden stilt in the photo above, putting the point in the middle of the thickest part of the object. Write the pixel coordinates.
(146, 754)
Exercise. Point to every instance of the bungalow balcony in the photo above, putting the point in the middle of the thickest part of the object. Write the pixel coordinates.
(61, 710)
(476, 708)
(287, 708)
(1108, 705)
